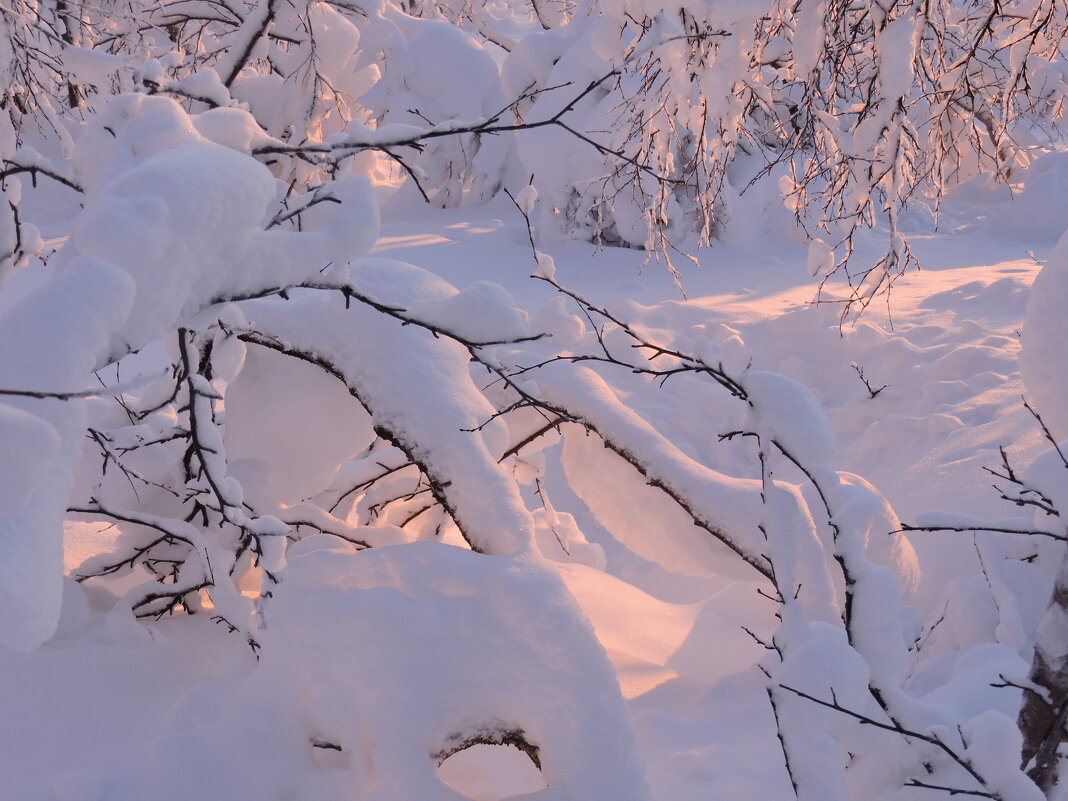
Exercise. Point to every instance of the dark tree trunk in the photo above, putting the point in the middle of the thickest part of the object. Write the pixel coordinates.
(1043, 713)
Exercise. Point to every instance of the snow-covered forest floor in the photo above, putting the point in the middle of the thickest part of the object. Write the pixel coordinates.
(108, 697)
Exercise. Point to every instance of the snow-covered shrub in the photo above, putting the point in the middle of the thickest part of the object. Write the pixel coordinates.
(173, 272)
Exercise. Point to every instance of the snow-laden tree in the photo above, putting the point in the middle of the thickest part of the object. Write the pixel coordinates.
(646, 119)
(214, 277)
(857, 110)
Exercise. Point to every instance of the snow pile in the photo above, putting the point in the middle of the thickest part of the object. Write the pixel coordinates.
(396, 657)
(1045, 331)
(43, 349)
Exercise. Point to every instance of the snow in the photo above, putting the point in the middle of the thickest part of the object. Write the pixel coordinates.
(943, 331)
(526, 198)
(1044, 332)
(787, 412)
(39, 352)
(403, 497)
(666, 606)
(286, 466)
(992, 736)
(32, 445)
(481, 312)
(454, 612)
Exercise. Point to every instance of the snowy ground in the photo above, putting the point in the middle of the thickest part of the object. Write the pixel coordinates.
(669, 614)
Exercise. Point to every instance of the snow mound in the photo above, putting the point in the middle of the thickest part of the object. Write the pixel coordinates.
(30, 445)
(1042, 357)
(398, 656)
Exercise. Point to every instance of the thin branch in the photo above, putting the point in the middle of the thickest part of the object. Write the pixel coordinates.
(996, 529)
(897, 728)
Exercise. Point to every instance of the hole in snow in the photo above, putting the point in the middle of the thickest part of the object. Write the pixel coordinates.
(490, 772)
(330, 755)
